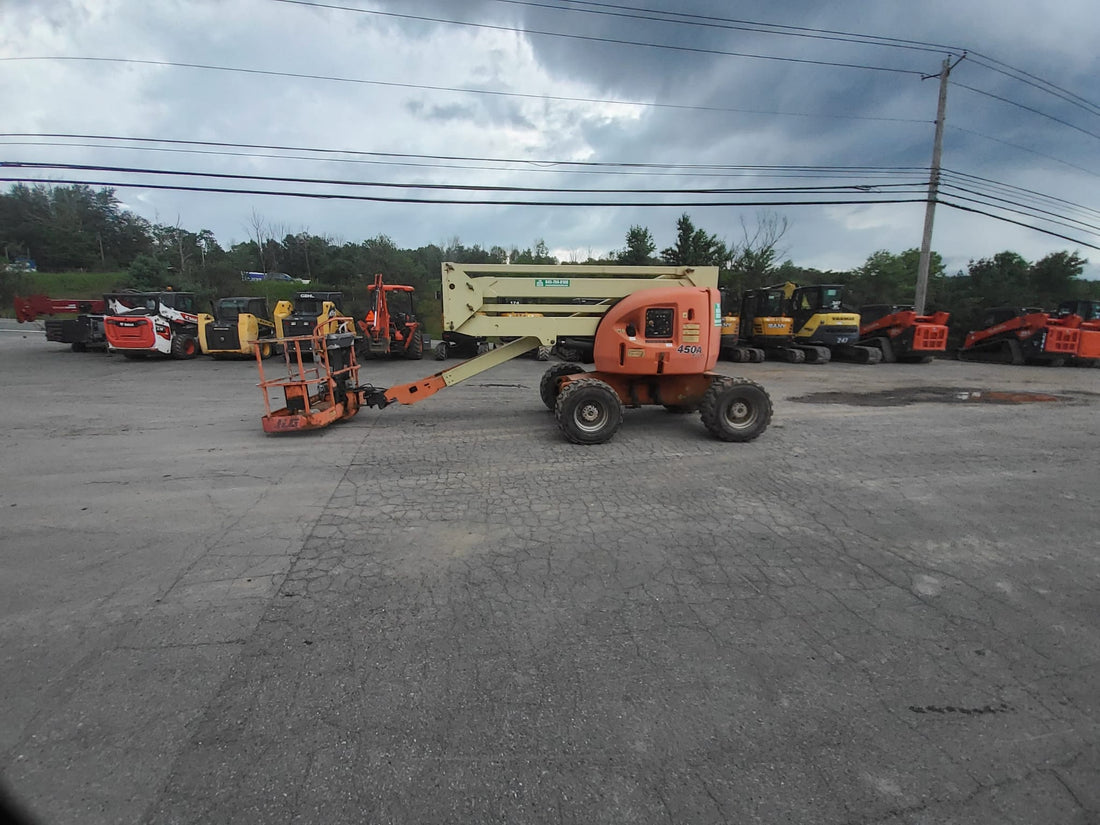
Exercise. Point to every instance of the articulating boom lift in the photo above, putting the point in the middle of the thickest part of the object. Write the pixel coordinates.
(656, 344)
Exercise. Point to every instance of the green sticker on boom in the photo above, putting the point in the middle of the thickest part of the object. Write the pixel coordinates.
(551, 282)
(718, 315)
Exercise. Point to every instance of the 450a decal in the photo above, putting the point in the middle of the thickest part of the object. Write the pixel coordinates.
(689, 349)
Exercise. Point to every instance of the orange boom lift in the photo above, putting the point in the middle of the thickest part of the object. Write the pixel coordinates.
(654, 347)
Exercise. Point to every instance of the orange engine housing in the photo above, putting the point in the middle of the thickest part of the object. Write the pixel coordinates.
(673, 331)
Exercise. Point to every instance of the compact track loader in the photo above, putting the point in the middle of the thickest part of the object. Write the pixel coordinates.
(1019, 335)
(902, 335)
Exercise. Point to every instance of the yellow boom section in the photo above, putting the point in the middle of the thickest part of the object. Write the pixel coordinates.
(549, 301)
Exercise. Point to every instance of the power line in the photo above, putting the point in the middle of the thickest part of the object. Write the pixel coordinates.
(1017, 223)
(1025, 107)
(463, 202)
(575, 204)
(593, 39)
(710, 21)
(549, 168)
(599, 165)
(79, 167)
(714, 22)
(456, 89)
(1024, 149)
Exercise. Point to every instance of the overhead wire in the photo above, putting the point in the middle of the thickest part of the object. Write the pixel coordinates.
(472, 202)
(595, 39)
(81, 167)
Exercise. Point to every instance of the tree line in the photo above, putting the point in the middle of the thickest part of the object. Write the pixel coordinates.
(64, 228)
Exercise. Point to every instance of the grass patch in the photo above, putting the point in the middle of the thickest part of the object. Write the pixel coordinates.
(73, 284)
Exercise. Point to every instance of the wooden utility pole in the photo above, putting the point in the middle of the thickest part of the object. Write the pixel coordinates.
(933, 191)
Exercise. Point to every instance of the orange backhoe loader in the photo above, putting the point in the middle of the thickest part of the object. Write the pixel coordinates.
(390, 331)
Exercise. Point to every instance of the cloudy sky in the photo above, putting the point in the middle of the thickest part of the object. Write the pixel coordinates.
(660, 100)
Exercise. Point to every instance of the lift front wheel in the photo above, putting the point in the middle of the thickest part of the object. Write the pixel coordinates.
(735, 409)
(588, 411)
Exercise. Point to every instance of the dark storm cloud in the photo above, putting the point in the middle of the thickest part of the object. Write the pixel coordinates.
(781, 112)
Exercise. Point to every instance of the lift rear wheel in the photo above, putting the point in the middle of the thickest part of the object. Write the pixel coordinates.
(588, 411)
(416, 346)
(735, 409)
(548, 386)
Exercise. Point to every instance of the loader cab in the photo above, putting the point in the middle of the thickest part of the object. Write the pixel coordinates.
(820, 316)
(229, 310)
(764, 314)
(999, 315)
(1085, 310)
(309, 310)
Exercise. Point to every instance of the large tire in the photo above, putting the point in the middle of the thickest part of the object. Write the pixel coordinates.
(184, 347)
(588, 411)
(548, 386)
(416, 346)
(266, 350)
(568, 354)
(441, 351)
(735, 409)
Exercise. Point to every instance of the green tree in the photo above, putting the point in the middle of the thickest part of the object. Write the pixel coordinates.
(639, 248)
(1056, 278)
(888, 278)
(694, 247)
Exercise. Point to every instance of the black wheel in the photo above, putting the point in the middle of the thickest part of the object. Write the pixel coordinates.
(548, 386)
(441, 351)
(78, 347)
(794, 356)
(735, 409)
(416, 346)
(184, 346)
(266, 350)
(569, 354)
(542, 353)
(588, 411)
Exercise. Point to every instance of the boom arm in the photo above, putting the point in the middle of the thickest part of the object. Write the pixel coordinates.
(29, 308)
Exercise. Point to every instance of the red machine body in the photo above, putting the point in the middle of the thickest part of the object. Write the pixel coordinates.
(902, 334)
(1020, 336)
(29, 308)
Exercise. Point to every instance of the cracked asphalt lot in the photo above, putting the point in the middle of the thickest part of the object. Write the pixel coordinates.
(447, 613)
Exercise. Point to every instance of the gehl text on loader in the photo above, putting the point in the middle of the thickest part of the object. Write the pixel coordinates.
(655, 336)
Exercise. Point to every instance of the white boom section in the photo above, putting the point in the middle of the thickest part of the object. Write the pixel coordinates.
(548, 300)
